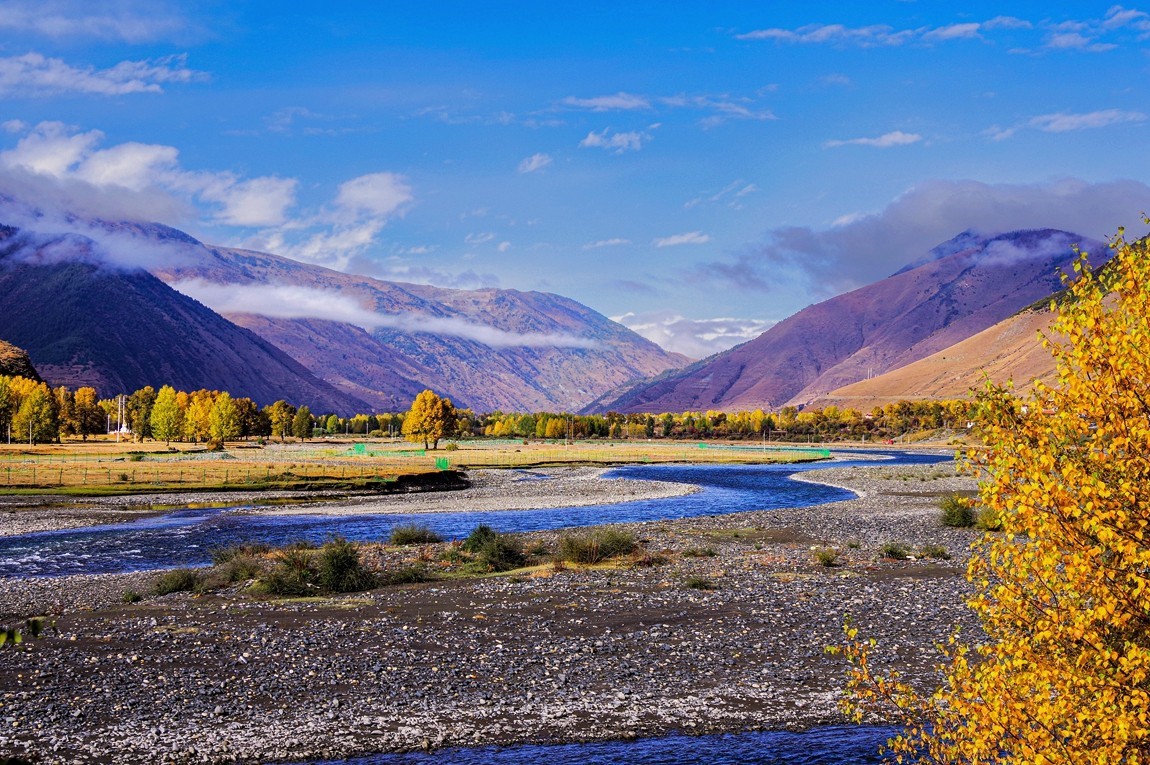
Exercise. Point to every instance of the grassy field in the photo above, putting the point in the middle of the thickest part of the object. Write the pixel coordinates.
(103, 466)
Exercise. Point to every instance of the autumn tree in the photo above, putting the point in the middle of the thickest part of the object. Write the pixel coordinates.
(1063, 672)
(223, 420)
(37, 417)
(430, 419)
(167, 419)
(89, 416)
(281, 414)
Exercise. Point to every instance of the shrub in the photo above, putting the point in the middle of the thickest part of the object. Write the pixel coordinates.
(934, 551)
(412, 534)
(241, 568)
(131, 596)
(493, 551)
(286, 582)
(176, 580)
(405, 575)
(957, 511)
(826, 556)
(340, 569)
(695, 552)
(597, 546)
(502, 553)
(700, 583)
(896, 550)
(479, 536)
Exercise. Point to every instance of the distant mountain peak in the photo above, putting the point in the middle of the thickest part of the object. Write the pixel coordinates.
(960, 288)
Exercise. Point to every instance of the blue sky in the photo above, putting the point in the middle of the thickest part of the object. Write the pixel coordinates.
(698, 171)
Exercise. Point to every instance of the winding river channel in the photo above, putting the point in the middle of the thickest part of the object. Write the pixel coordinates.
(186, 537)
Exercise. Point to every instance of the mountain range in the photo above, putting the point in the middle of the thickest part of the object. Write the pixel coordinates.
(961, 288)
(89, 315)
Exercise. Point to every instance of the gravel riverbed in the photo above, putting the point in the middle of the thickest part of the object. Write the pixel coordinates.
(555, 655)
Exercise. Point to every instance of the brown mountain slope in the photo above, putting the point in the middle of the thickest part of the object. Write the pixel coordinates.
(959, 291)
(489, 349)
(14, 362)
(1010, 350)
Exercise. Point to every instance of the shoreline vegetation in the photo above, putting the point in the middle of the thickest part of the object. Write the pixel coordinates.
(712, 624)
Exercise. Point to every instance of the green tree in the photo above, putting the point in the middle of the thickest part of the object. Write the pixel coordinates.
(430, 419)
(224, 420)
(139, 407)
(167, 419)
(301, 424)
(1062, 671)
(331, 425)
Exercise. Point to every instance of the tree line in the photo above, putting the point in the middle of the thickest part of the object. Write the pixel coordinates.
(34, 412)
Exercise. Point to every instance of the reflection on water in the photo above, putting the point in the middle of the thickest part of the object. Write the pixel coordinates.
(186, 537)
(823, 746)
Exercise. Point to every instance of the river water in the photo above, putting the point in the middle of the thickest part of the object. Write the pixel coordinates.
(852, 745)
(187, 536)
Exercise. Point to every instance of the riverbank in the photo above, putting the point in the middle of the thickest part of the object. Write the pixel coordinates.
(557, 654)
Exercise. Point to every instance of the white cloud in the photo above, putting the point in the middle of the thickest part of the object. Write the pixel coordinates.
(1066, 121)
(868, 36)
(617, 142)
(694, 338)
(133, 21)
(60, 153)
(36, 75)
(372, 195)
(535, 162)
(614, 242)
(13, 126)
(967, 30)
(618, 102)
(1007, 22)
(299, 302)
(1077, 41)
(872, 246)
(56, 166)
(884, 141)
(691, 237)
(253, 203)
(504, 246)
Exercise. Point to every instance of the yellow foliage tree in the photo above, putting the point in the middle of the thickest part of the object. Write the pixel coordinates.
(430, 419)
(1063, 672)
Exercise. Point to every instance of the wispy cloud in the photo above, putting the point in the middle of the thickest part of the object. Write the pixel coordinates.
(535, 162)
(884, 141)
(615, 242)
(132, 21)
(617, 102)
(299, 302)
(1065, 122)
(616, 142)
(730, 195)
(675, 240)
(34, 74)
